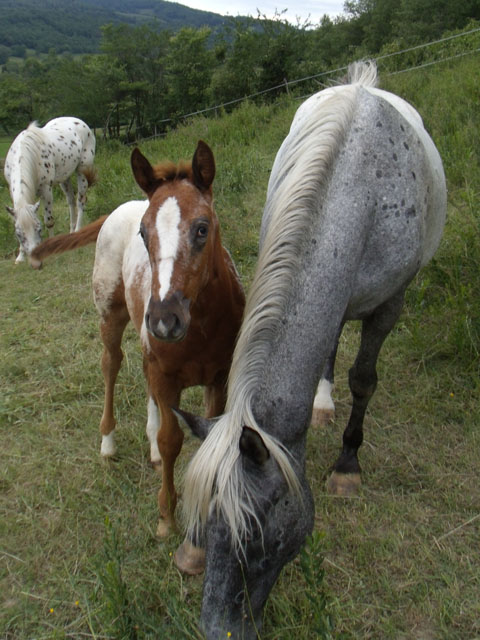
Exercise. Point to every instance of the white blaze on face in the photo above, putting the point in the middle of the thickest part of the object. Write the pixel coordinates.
(168, 229)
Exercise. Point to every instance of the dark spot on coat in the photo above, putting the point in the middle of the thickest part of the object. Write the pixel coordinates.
(411, 212)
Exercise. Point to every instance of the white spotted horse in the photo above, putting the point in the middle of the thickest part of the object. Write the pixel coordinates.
(39, 158)
(356, 205)
(161, 264)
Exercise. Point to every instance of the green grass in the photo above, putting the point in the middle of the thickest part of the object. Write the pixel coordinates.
(4, 146)
(79, 557)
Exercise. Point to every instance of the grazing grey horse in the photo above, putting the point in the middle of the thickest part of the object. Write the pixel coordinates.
(355, 207)
(39, 158)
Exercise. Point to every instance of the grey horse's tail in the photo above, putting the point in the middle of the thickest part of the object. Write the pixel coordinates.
(363, 72)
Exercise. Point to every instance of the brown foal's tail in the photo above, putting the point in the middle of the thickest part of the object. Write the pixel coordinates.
(66, 242)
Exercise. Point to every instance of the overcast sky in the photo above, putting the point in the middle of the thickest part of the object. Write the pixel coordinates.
(302, 8)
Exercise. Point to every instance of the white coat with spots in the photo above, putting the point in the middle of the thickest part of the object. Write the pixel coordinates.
(39, 158)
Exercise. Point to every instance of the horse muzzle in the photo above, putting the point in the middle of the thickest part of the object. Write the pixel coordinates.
(168, 319)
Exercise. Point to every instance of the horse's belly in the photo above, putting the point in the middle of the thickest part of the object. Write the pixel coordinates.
(381, 276)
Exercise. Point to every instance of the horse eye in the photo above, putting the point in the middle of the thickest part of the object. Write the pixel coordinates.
(202, 231)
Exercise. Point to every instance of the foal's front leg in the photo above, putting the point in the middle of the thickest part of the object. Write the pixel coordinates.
(190, 555)
(215, 397)
(165, 393)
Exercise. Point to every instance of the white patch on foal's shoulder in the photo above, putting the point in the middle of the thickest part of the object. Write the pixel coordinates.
(113, 240)
(168, 229)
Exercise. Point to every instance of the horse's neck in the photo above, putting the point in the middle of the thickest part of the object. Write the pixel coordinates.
(224, 283)
(284, 370)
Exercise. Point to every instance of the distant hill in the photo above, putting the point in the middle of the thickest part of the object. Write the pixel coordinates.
(74, 25)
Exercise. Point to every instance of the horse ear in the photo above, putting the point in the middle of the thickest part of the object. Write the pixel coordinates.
(142, 171)
(10, 211)
(203, 166)
(253, 447)
(200, 427)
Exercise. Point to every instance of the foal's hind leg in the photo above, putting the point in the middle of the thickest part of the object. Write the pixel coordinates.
(112, 327)
(345, 479)
(323, 410)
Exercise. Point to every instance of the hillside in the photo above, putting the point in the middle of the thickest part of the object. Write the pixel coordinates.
(74, 25)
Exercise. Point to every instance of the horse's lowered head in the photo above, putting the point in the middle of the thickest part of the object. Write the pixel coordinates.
(28, 228)
(180, 233)
(240, 573)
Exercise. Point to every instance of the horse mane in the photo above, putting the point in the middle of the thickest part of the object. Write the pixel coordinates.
(29, 160)
(215, 478)
(169, 171)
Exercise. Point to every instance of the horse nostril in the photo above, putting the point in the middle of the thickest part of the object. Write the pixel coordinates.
(176, 324)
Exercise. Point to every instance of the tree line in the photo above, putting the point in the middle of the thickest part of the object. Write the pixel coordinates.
(144, 80)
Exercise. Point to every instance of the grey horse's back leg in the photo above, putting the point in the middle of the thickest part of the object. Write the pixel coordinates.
(345, 479)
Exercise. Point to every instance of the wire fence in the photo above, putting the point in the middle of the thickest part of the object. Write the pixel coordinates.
(336, 72)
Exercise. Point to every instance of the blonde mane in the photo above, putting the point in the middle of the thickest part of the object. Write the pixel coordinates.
(299, 181)
(29, 161)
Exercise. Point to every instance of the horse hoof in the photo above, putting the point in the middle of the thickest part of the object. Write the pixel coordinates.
(190, 559)
(108, 448)
(164, 528)
(322, 417)
(344, 484)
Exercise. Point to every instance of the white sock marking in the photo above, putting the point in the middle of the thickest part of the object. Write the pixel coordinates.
(153, 427)
(323, 397)
(108, 447)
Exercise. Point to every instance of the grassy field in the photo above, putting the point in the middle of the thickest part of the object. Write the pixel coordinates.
(79, 557)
